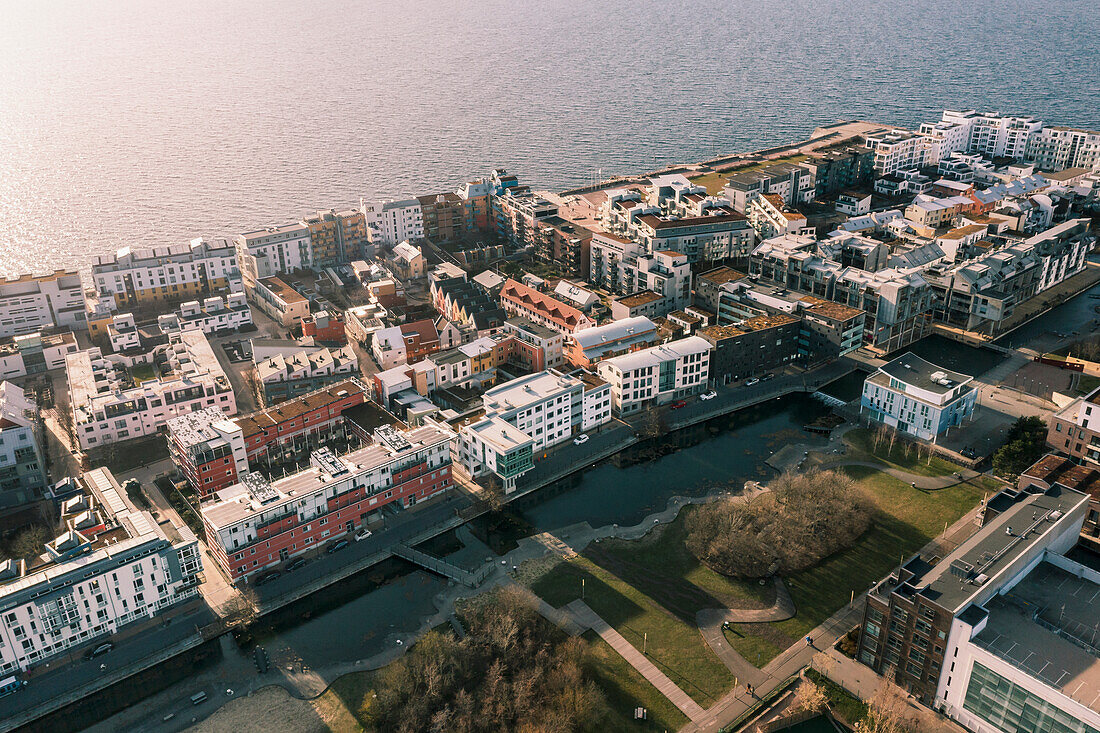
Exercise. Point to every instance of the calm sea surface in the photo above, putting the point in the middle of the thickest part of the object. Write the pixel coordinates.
(142, 123)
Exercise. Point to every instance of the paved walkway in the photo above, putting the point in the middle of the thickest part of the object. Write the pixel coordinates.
(712, 620)
(590, 619)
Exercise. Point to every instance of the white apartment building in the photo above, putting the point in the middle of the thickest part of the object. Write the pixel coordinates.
(983, 133)
(110, 566)
(267, 252)
(391, 222)
(898, 150)
(30, 303)
(1057, 148)
(624, 267)
(769, 217)
(918, 397)
(108, 405)
(22, 469)
(123, 334)
(176, 272)
(1062, 250)
(657, 375)
(212, 315)
(33, 353)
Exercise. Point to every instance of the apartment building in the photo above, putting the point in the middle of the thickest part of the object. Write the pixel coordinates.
(657, 375)
(405, 344)
(280, 301)
(324, 326)
(719, 233)
(528, 415)
(109, 405)
(930, 212)
(208, 449)
(517, 212)
(255, 525)
(110, 566)
(31, 303)
(34, 353)
(623, 266)
(1057, 148)
(520, 300)
(563, 243)
(392, 222)
(842, 166)
(644, 303)
(444, 216)
(917, 397)
(1056, 471)
(533, 346)
(983, 133)
(407, 261)
(585, 348)
(1075, 429)
(1062, 250)
(708, 286)
(897, 150)
(123, 333)
(981, 294)
(752, 347)
(769, 217)
(214, 315)
(338, 237)
(576, 295)
(140, 277)
(273, 250)
(287, 369)
(22, 468)
(792, 183)
(993, 634)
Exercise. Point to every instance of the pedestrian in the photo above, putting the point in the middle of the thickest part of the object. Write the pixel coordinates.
(809, 641)
(749, 688)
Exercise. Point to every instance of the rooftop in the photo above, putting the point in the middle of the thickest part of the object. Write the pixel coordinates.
(624, 328)
(259, 421)
(283, 291)
(720, 275)
(518, 393)
(640, 298)
(654, 355)
(913, 370)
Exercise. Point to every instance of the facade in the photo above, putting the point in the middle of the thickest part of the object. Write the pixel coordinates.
(769, 217)
(495, 446)
(1053, 471)
(1075, 429)
(563, 243)
(644, 303)
(623, 266)
(408, 261)
(140, 277)
(981, 294)
(22, 469)
(547, 345)
(271, 251)
(215, 314)
(29, 303)
(405, 344)
(1057, 148)
(255, 525)
(521, 300)
(842, 166)
(991, 634)
(657, 375)
(208, 449)
(324, 326)
(277, 299)
(719, 233)
(112, 565)
(752, 347)
(517, 213)
(338, 237)
(34, 353)
(917, 397)
(287, 369)
(444, 217)
(1062, 250)
(898, 150)
(622, 336)
(391, 222)
(108, 405)
(708, 286)
(794, 184)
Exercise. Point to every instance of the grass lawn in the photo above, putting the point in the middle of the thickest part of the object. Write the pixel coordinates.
(844, 705)
(673, 644)
(626, 689)
(715, 182)
(861, 440)
(1086, 384)
(751, 642)
(142, 373)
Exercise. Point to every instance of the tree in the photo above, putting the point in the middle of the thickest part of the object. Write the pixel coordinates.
(255, 386)
(809, 698)
(1024, 444)
(885, 711)
(242, 608)
(29, 543)
(801, 520)
(652, 424)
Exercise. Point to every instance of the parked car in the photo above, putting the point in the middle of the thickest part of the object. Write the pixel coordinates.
(336, 546)
(580, 439)
(766, 377)
(362, 533)
(752, 381)
(678, 404)
(266, 578)
(708, 395)
(294, 564)
(968, 453)
(99, 650)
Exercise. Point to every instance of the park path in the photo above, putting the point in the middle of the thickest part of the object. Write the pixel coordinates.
(585, 616)
(712, 620)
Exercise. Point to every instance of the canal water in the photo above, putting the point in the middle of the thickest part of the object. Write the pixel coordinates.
(1078, 314)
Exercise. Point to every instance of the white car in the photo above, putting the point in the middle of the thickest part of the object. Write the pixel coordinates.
(752, 381)
(362, 534)
(708, 395)
(580, 439)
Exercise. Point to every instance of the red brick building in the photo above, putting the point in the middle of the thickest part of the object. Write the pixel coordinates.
(325, 326)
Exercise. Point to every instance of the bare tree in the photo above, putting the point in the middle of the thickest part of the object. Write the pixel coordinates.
(809, 698)
(885, 711)
(30, 542)
(243, 608)
(653, 424)
(255, 386)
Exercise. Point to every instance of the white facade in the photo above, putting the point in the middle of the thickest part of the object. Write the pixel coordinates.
(657, 375)
(549, 406)
(899, 150)
(212, 315)
(272, 250)
(1057, 148)
(31, 303)
(167, 273)
(106, 410)
(34, 352)
(89, 589)
(122, 333)
(390, 222)
(917, 397)
(623, 267)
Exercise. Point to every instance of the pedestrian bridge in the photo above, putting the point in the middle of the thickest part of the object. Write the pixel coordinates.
(440, 566)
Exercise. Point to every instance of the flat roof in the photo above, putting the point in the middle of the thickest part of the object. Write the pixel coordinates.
(640, 298)
(523, 391)
(283, 291)
(913, 370)
(720, 275)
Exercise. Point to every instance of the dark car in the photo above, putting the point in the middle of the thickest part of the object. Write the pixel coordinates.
(968, 453)
(99, 650)
(295, 564)
(267, 577)
(766, 377)
(678, 404)
(336, 546)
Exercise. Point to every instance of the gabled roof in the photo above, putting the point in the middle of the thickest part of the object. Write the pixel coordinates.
(551, 308)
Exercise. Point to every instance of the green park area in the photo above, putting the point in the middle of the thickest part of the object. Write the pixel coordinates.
(715, 181)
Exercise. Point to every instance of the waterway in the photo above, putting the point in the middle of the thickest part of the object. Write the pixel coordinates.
(1075, 314)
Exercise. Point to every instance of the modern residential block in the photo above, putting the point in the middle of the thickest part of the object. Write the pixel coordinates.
(657, 375)
(918, 397)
